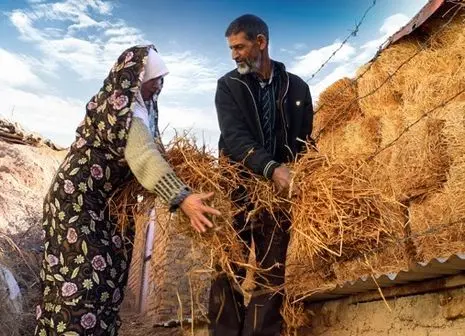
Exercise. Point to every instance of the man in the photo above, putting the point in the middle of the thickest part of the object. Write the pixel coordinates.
(265, 116)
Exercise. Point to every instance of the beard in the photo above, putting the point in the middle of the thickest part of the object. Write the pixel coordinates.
(249, 65)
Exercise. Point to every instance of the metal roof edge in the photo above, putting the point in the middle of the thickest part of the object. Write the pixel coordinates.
(434, 268)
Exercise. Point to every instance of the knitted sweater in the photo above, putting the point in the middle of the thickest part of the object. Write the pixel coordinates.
(150, 168)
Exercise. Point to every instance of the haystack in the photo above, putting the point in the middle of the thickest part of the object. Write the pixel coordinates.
(336, 105)
(378, 82)
(413, 153)
(357, 139)
(443, 215)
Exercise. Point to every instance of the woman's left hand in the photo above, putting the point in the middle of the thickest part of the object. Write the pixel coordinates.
(195, 209)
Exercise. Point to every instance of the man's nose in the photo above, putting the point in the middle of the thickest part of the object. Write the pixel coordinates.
(235, 55)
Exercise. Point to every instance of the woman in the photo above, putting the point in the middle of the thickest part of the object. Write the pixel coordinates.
(86, 258)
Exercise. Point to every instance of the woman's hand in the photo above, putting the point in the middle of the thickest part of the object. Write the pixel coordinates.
(195, 209)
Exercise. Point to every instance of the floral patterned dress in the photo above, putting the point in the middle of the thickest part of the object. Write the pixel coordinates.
(86, 257)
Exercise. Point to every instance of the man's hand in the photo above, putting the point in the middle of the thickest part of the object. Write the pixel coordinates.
(194, 208)
(281, 178)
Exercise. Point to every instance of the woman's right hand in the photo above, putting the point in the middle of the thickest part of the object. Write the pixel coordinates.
(195, 209)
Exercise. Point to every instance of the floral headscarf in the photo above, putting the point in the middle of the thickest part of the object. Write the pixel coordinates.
(109, 112)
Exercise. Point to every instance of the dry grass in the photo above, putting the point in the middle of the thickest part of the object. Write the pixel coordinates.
(24, 265)
(336, 105)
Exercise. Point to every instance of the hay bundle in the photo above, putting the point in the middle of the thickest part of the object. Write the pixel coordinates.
(336, 105)
(423, 76)
(378, 86)
(416, 165)
(201, 171)
(356, 140)
(391, 258)
(408, 79)
(336, 216)
(437, 71)
(339, 213)
(443, 214)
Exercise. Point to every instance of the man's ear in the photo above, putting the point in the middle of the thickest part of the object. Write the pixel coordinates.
(262, 43)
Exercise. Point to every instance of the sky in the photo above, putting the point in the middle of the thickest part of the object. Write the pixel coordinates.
(54, 55)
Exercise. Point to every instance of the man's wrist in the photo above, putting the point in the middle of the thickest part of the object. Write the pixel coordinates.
(270, 168)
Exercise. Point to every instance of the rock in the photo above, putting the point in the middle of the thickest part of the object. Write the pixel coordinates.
(11, 302)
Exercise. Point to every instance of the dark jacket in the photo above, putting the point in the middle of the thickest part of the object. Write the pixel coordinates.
(241, 136)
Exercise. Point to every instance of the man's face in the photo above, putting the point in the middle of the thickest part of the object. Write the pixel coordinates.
(151, 88)
(247, 54)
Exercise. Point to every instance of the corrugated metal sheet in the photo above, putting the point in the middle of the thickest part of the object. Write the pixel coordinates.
(424, 14)
(435, 268)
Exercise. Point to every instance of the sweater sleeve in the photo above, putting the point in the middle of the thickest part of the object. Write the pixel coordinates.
(150, 168)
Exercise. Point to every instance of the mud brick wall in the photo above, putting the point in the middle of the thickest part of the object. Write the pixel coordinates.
(132, 298)
(178, 278)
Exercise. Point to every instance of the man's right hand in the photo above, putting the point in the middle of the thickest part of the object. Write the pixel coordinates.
(281, 178)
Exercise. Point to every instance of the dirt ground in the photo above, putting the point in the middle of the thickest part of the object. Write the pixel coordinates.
(137, 326)
(25, 176)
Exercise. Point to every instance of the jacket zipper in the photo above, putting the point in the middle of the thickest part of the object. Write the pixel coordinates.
(285, 124)
(256, 109)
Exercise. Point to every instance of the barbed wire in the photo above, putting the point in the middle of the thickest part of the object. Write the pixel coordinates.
(423, 47)
(353, 33)
(406, 129)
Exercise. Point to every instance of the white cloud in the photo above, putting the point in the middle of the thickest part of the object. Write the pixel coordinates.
(23, 23)
(190, 74)
(390, 25)
(83, 37)
(307, 64)
(393, 23)
(296, 47)
(347, 60)
(289, 51)
(51, 116)
(299, 46)
(89, 57)
(17, 71)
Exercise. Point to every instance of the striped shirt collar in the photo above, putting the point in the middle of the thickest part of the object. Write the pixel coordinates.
(268, 82)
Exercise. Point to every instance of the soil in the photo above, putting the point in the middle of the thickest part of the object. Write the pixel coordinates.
(25, 176)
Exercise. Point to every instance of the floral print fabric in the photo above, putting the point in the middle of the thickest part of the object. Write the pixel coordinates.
(86, 257)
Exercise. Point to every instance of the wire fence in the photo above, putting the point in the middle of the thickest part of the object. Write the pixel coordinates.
(409, 59)
(352, 33)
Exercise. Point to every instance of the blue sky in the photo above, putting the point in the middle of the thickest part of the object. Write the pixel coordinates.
(54, 55)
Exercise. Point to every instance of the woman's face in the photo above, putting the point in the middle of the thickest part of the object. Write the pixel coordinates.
(151, 88)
